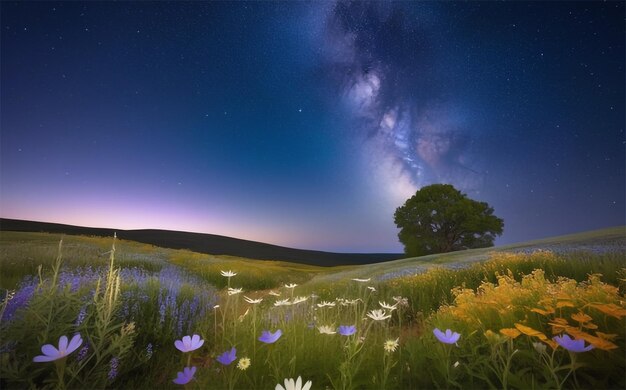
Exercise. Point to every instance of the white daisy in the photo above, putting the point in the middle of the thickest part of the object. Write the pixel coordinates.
(378, 315)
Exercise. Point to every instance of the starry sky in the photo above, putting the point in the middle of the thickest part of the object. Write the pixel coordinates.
(306, 124)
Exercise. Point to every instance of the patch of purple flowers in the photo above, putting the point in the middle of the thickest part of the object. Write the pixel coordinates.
(22, 297)
(82, 354)
(81, 316)
(113, 366)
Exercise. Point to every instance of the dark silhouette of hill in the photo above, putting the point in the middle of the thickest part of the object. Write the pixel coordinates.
(206, 243)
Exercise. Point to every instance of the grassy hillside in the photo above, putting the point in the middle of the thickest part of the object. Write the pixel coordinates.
(610, 241)
(22, 252)
(204, 243)
(375, 326)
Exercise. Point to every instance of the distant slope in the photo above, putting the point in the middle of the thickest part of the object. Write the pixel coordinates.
(610, 240)
(206, 243)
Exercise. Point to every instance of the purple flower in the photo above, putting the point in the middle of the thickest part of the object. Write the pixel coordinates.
(50, 353)
(572, 345)
(184, 377)
(347, 330)
(82, 354)
(114, 364)
(189, 343)
(269, 337)
(81, 316)
(227, 357)
(449, 337)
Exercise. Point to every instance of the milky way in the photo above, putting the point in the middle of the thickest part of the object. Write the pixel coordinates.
(378, 55)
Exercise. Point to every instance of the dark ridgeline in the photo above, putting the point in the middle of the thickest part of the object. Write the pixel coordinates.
(206, 243)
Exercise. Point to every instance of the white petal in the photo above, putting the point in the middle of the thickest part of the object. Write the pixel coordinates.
(307, 385)
(279, 387)
(299, 383)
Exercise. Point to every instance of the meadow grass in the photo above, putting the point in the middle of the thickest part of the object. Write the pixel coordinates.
(22, 253)
(507, 311)
(259, 275)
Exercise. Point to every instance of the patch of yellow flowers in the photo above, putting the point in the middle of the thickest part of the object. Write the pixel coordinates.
(536, 306)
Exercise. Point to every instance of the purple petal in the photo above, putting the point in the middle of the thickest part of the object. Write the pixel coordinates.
(184, 377)
(181, 379)
(440, 335)
(196, 342)
(50, 350)
(75, 342)
(41, 358)
(180, 346)
(62, 344)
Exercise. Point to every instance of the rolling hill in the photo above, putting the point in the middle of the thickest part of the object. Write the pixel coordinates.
(206, 243)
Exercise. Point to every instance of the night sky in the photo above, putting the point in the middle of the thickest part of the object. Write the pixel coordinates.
(307, 124)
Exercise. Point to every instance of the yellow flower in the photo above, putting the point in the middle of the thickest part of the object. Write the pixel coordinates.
(243, 363)
(391, 345)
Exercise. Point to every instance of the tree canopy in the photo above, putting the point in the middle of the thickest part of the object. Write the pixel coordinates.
(439, 218)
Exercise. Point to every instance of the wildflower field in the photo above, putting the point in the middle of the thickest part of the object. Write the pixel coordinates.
(87, 312)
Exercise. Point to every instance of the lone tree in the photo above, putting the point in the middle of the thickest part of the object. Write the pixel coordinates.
(439, 218)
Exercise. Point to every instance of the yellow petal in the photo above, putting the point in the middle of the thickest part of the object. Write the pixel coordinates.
(590, 325)
(597, 342)
(530, 331)
(610, 309)
(558, 324)
(581, 317)
(543, 312)
(606, 336)
(510, 332)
